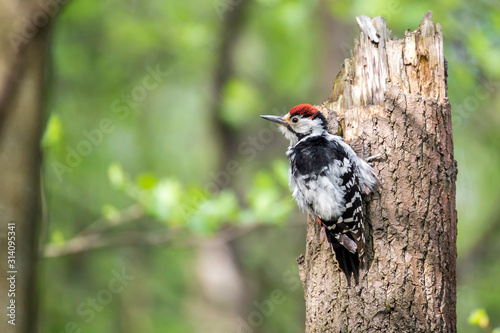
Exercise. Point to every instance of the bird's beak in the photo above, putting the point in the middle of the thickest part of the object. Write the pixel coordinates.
(277, 119)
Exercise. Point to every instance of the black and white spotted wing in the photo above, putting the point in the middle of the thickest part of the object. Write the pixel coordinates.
(324, 181)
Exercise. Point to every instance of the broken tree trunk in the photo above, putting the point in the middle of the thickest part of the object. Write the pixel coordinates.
(391, 96)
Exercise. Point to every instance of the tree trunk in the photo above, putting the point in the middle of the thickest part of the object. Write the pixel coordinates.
(22, 63)
(391, 96)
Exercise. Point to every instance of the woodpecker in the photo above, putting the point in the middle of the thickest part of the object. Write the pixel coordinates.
(327, 179)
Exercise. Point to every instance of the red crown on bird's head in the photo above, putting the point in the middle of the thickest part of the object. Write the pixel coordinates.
(304, 110)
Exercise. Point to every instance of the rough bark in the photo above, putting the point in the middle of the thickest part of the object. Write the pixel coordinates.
(391, 96)
(22, 66)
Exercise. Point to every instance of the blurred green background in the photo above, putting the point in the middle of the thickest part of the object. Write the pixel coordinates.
(154, 142)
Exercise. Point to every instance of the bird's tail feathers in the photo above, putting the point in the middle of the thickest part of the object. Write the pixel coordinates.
(347, 256)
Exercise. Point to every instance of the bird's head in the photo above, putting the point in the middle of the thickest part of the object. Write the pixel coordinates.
(303, 120)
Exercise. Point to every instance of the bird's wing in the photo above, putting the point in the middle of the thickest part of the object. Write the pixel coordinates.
(326, 183)
(350, 222)
(319, 174)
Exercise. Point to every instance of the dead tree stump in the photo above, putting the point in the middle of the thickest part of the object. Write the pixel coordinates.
(391, 96)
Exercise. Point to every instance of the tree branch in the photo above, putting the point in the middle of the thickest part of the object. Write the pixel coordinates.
(124, 216)
(86, 242)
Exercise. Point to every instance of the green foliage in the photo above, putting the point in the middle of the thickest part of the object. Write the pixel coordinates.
(241, 98)
(480, 318)
(199, 211)
(164, 147)
(53, 132)
(57, 238)
(266, 201)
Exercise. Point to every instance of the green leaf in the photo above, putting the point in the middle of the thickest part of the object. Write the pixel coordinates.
(480, 318)
(110, 212)
(166, 201)
(116, 175)
(213, 213)
(147, 181)
(53, 131)
(57, 238)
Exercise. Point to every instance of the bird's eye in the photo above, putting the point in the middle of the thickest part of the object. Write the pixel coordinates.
(295, 120)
